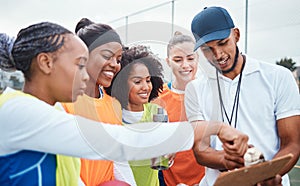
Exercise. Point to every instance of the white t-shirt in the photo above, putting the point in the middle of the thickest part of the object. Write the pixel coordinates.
(268, 93)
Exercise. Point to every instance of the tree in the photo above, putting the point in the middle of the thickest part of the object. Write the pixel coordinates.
(287, 63)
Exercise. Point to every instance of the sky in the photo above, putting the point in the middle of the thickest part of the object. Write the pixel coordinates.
(273, 25)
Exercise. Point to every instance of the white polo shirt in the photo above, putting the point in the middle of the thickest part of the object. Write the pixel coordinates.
(268, 93)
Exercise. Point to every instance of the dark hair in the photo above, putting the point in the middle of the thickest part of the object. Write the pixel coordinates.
(136, 55)
(178, 38)
(30, 41)
(92, 34)
(83, 23)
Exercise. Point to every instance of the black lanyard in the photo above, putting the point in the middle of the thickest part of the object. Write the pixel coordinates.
(236, 98)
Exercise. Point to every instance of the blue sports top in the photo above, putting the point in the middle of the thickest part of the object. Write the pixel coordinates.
(28, 168)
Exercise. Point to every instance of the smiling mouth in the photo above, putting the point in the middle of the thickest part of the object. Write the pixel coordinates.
(185, 72)
(223, 62)
(109, 74)
(144, 95)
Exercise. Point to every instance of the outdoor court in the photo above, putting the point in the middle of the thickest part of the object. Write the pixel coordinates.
(295, 175)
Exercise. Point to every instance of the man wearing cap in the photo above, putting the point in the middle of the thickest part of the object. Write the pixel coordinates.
(257, 98)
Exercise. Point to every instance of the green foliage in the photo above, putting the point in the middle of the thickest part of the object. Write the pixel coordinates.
(287, 63)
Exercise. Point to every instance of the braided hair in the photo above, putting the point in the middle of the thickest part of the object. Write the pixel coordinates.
(17, 54)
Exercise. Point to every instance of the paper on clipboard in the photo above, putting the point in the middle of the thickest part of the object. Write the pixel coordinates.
(249, 176)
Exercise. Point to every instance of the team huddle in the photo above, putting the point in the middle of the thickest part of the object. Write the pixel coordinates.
(88, 111)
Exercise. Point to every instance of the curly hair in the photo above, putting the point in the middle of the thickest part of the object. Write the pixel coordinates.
(41, 37)
(136, 55)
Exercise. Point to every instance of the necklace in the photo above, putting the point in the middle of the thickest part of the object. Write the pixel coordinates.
(236, 98)
(100, 92)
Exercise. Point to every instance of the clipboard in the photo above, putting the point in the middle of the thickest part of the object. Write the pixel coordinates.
(249, 176)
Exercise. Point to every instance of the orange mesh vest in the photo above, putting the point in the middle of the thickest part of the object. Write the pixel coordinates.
(185, 168)
(106, 110)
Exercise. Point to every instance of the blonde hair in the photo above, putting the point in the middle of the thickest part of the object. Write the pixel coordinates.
(177, 39)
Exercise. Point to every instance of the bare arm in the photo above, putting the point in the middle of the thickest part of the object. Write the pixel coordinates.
(288, 131)
(41, 127)
(289, 134)
(234, 142)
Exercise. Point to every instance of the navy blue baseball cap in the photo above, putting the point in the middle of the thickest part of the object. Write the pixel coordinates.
(212, 23)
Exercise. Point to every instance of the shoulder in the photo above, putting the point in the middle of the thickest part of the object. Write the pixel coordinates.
(111, 101)
(199, 84)
(166, 89)
(275, 75)
(202, 78)
(152, 107)
(81, 101)
(266, 67)
(13, 97)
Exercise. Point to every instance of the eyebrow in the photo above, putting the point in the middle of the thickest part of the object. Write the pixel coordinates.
(107, 50)
(190, 54)
(182, 57)
(83, 58)
(177, 56)
(220, 41)
(140, 77)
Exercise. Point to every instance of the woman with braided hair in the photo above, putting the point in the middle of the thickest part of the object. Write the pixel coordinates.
(38, 52)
